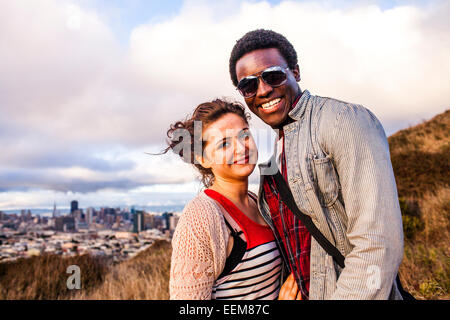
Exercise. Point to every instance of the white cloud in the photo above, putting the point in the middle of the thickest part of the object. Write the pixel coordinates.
(393, 61)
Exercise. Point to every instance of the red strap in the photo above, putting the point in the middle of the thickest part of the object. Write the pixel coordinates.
(255, 233)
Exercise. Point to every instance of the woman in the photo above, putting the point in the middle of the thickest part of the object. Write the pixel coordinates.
(222, 247)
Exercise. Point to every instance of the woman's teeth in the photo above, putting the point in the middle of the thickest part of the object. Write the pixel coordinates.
(271, 103)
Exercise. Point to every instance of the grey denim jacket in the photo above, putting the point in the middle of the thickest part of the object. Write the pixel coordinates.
(340, 173)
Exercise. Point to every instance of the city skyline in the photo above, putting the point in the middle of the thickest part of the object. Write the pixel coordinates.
(89, 88)
(114, 233)
(64, 210)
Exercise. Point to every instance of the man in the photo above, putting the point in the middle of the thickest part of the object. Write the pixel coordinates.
(335, 158)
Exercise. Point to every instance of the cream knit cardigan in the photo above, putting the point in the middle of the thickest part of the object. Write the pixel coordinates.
(198, 249)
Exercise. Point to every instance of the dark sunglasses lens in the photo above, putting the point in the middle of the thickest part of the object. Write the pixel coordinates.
(248, 87)
(274, 78)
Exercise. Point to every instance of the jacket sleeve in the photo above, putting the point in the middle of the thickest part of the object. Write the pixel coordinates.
(198, 252)
(360, 151)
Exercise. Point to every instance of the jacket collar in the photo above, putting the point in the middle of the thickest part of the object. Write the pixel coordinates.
(299, 109)
(268, 167)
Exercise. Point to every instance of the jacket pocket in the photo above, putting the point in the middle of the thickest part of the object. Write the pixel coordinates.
(327, 181)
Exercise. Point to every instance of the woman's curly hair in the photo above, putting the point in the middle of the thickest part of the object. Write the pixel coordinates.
(206, 113)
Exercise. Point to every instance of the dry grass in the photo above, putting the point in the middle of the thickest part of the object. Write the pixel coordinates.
(421, 161)
(45, 277)
(430, 136)
(425, 269)
(146, 276)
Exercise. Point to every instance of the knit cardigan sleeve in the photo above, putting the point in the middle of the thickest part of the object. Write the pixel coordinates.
(198, 250)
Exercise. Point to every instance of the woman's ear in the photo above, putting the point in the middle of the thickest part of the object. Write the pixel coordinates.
(203, 161)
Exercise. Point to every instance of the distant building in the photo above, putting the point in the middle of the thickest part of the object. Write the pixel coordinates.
(149, 221)
(73, 206)
(65, 224)
(77, 214)
(108, 216)
(89, 215)
(158, 223)
(166, 218)
(138, 220)
(55, 212)
(173, 222)
(110, 211)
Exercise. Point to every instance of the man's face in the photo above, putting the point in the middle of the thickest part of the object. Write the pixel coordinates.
(253, 63)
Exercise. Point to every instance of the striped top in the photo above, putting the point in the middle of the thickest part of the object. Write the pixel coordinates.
(253, 269)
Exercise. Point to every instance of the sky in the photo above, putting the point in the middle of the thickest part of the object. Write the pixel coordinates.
(89, 87)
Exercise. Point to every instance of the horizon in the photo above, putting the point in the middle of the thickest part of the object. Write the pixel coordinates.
(66, 209)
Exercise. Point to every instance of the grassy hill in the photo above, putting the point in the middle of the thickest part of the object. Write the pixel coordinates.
(45, 277)
(421, 161)
(145, 276)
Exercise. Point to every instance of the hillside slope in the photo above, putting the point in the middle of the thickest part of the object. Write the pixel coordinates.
(145, 276)
(421, 161)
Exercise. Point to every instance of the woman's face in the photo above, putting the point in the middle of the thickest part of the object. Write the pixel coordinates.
(230, 150)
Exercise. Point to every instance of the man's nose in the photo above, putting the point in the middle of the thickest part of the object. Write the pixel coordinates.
(263, 88)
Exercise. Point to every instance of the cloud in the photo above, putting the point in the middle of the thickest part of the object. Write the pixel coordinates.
(393, 61)
(78, 107)
(113, 198)
(83, 180)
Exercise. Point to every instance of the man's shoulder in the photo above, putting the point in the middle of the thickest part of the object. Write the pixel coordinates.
(334, 106)
(332, 116)
(328, 111)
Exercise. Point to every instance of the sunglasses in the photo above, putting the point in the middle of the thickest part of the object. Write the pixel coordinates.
(273, 76)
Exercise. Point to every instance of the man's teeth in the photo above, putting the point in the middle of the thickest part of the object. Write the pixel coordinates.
(270, 104)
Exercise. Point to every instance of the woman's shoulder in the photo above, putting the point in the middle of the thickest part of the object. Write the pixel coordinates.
(202, 207)
(202, 201)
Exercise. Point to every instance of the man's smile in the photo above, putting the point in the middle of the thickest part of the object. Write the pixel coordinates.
(271, 106)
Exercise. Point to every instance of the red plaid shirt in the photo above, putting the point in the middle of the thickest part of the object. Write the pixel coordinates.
(291, 234)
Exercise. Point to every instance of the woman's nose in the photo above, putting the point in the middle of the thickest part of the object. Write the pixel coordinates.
(240, 147)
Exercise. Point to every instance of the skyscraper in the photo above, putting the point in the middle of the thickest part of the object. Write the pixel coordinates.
(55, 213)
(89, 215)
(138, 220)
(73, 206)
(65, 224)
(166, 217)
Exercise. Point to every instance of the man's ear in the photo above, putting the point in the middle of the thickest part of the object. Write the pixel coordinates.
(296, 72)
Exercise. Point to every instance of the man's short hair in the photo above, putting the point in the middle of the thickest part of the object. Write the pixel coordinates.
(261, 39)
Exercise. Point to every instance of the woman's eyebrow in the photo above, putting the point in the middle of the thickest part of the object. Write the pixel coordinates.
(244, 130)
(227, 138)
(221, 141)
